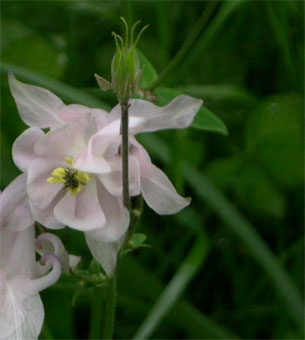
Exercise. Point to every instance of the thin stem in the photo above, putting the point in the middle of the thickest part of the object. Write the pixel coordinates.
(206, 14)
(136, 218)
(124, 152)
(109, 309)
(96, 314)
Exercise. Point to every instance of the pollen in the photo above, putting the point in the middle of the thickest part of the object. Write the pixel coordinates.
(73, 180)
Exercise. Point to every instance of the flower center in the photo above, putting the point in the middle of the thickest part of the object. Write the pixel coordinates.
(72, 179)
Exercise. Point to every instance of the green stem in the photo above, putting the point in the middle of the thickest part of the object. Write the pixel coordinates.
(206, 14)
(125, 151)
(96, 314)
(136, 217)
(110, 309)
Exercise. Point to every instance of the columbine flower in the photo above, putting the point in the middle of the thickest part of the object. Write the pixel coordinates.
(74, 170)
(145, 178)
(21, 277)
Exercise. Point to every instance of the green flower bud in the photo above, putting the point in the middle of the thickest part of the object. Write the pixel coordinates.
(125, 67)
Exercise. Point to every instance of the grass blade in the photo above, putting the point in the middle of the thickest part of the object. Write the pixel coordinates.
(239, 225)
(245, 231)
(175, 288)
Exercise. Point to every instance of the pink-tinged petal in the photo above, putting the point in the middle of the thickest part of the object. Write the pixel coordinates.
(93, 158)
(74, 261)
(50, 261)
(14, 206)
(105, 242)
(81, 211)
(43, 196)
(97, 118)
(21, 313)
(23, 148)
(160, 194)
(104, 253)
(117, 217)
(87, 162)
(48, 243)
(113, 180)
(40, 192)
(17, 252)
(37, 106)
(135, 124)
(61, 142)
(178, 114)
(46, 216)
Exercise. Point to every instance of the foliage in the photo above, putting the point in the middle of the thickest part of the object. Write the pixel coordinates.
(211, 270)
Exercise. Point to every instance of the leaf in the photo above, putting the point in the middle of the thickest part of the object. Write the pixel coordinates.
(149, 73)
(137, 240)
(204, 120)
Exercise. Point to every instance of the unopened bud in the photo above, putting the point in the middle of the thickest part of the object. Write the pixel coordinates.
(125, 68)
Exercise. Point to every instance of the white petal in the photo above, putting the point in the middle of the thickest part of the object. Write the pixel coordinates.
(160, 194)
(14, 206)
(81, 211)
(48, 243)
(41, 283)
(17, 252)
(113, 180)
(43, 196)
(21, 313)
(117, 217)
(37, 106)
(178, 114)
(96, 118)
(104, 253)
(23, 148)
(61, 142)
(105, 242)
(40, 192)
(46, 216)
(74, 261)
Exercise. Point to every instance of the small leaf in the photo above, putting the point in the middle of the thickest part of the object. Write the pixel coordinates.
(103, 83)
(95, 267)
(137, 240)
(206, 120)
(149, 73)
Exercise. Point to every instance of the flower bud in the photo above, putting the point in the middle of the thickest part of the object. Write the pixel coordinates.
(125, 67)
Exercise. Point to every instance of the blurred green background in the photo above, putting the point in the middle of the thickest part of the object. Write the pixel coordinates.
(232, 264)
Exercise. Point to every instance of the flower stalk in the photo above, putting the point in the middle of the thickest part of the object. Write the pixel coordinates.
(125, 153)
(109, 312)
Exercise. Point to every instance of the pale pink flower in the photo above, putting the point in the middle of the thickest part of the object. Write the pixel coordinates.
(21, 277)
(74, 171)
(21, 280)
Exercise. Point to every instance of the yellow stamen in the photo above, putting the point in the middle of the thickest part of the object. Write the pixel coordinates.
(73, 180)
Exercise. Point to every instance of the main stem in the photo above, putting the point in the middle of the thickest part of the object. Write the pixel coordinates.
(125, 152)
(109, 309)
